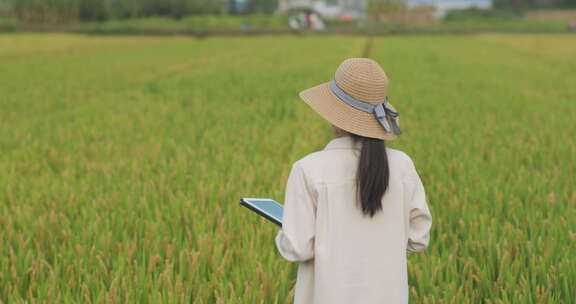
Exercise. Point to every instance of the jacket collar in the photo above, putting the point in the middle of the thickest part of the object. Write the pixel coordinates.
(344, 142)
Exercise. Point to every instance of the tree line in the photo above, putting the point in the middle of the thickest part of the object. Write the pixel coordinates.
(511, 5)
(533, 4)
(67, 11)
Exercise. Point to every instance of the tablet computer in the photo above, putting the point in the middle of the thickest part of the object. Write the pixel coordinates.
(265, 207)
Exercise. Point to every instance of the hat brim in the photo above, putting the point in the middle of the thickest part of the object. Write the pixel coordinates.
(322, 100)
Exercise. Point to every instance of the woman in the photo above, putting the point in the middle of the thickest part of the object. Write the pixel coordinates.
(353, 210)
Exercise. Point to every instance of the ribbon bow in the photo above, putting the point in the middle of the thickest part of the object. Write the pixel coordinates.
(381, 111)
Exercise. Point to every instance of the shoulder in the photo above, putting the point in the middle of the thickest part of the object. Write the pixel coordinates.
(398, 156)
(401, 161)
(317, 166)
(322, 160)
(309, 162)
(312, 158)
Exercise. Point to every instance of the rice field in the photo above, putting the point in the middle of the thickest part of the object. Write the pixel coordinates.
(122, 160)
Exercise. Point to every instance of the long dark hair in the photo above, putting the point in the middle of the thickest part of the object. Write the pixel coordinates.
(372, 174)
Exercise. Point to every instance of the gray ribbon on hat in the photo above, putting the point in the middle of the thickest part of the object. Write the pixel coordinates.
(381, 111)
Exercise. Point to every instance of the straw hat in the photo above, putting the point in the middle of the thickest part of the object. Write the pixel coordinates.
(356, 100)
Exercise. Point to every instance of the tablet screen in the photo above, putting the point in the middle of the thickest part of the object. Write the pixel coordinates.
(266, 207)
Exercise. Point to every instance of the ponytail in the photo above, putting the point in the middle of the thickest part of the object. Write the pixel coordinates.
(372, 174)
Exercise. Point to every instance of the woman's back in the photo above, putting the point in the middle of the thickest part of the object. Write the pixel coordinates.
(353, 210)
(347, 257)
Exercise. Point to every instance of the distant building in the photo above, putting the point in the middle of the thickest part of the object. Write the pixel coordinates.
(327, 8)
(357, 8)
(443, 6)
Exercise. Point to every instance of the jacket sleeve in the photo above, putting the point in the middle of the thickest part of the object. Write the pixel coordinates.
(295, 240)
(420, 219)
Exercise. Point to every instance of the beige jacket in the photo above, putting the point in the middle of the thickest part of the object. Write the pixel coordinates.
(345, 257)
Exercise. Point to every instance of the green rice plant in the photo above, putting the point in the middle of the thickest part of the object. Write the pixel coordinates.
(123, 159)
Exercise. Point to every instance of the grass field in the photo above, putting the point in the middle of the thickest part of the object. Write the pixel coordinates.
(123, 158)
